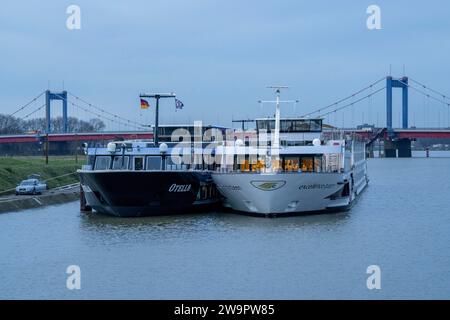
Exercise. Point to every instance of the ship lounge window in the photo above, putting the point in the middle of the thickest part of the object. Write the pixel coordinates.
(138, 163)
(119, 163)
(291, 164)
(102, 162)
(302, 163)
(307, 164)
(154, 163)
(245, 166)
(259, 165)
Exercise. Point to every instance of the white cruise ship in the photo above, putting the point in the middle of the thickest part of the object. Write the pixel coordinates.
(301, 169)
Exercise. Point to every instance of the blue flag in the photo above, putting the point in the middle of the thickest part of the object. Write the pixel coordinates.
(178, 104)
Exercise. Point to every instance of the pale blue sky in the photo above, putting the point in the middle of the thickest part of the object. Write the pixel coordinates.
(218, 56)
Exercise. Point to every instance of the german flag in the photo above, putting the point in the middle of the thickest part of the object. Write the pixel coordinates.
(144, 104)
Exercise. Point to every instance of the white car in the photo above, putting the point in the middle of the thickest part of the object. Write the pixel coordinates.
(31, 186)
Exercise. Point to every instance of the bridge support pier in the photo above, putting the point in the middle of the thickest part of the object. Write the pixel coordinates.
(400, 148)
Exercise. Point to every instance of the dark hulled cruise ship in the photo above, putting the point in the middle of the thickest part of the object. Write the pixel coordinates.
(139, 178)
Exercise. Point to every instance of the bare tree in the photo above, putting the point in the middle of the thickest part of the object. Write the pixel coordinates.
(13, 125)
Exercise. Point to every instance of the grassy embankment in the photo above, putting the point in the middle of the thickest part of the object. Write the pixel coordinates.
(15, 169)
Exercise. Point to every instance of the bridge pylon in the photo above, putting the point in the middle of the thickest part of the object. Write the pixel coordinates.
(396, 83)
(396, 147)
(49, 96)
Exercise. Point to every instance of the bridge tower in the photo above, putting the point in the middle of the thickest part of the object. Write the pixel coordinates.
(49, 96)
(396, 147)
(396, 83)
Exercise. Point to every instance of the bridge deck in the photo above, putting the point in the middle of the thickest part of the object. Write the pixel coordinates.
(99, 136)
(92, 136)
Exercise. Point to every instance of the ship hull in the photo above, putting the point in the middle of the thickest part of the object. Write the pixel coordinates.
(287, 193)
(146, 193)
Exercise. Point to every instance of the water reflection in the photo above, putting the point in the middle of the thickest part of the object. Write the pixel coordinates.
(99, 227)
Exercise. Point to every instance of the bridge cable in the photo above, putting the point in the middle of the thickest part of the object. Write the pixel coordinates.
(345, 99)
(27, 104)
(103, 116)
(104, 111)
(445, 96)
(351, 104)
(426, 94)
(33, 112)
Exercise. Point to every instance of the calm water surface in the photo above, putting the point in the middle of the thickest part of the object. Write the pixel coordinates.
(401, 223)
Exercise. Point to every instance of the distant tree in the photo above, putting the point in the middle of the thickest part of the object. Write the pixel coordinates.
(10, 125)
(13, 125)
(97, 124)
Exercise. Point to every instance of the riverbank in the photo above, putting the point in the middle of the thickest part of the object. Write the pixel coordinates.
(55, 196)
(59, 171)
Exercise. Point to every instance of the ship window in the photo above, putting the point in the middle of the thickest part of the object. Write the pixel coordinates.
(138, 163)
(291, 164)
(301, 126)
(316, 125)
(102, 163)
(90, 160)
(169, 164)
(245, 166)
(119, 164)
(276, 164)
(259, 165)
(267, 125)
(307, 164)
(286, 126)
(154, 163)
(318, 163)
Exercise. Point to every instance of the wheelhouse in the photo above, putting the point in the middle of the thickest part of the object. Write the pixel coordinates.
(288, 125)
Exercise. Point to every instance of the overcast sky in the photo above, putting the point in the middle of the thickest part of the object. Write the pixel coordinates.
(218, 56)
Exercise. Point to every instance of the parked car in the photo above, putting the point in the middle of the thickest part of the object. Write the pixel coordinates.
(31, 186)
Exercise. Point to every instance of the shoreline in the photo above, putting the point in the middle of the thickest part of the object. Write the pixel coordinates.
(57, 196)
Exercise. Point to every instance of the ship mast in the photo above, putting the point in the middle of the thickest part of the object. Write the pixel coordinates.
(276, 137)
(157, 96)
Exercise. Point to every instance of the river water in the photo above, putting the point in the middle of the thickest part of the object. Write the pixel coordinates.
(401, 223)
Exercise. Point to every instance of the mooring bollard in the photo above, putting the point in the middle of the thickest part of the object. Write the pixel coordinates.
(83, 206)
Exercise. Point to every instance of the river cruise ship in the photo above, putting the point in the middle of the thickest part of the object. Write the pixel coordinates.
(290, 165)
(140, 178)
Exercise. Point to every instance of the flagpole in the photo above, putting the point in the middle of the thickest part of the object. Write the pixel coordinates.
(157, 96)
(155, 132)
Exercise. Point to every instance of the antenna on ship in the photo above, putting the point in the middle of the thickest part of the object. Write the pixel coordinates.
(157, 96)
(276, 142)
